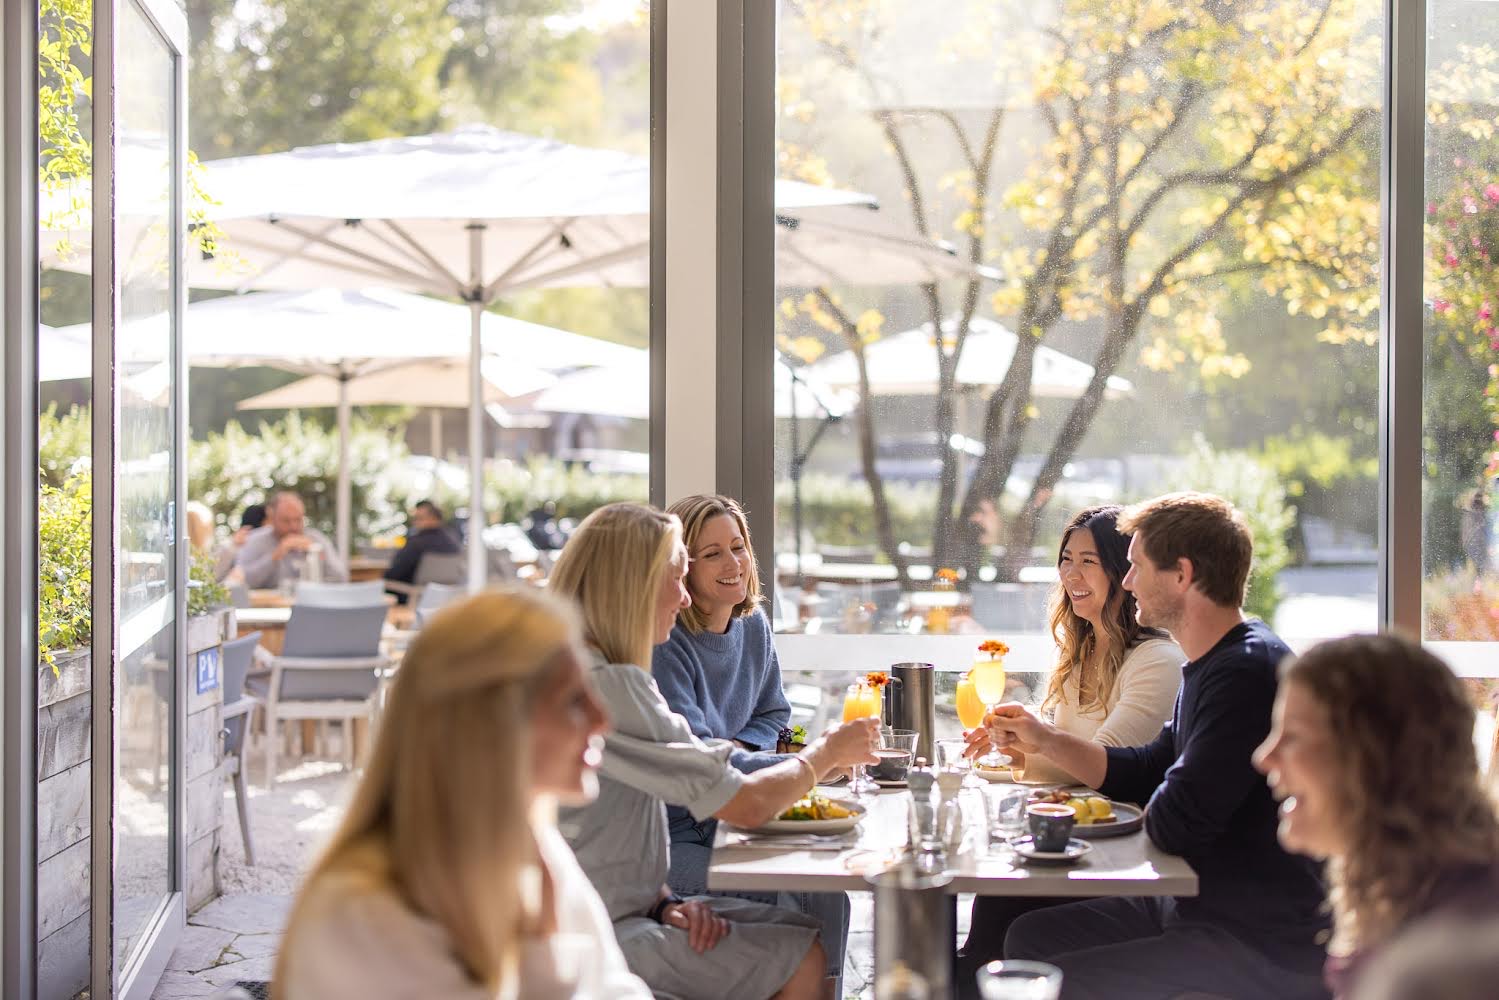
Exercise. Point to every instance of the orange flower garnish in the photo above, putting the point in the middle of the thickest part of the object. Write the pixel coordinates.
(947, 575)
(994, 648)
(877, 678)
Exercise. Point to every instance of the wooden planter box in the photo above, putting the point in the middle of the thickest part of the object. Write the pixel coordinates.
(63, 798)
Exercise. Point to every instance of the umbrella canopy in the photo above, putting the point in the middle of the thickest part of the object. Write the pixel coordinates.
(63, 354)
(623, 390)
(905, 364)
(416, 212)
(430, 383)
(479, 212)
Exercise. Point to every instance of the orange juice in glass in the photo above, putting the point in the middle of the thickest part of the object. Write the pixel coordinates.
(862, 701)
(970, 706)
(988, 677)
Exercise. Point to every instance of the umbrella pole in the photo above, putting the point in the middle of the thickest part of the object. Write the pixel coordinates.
(344, 500)
(478, 566)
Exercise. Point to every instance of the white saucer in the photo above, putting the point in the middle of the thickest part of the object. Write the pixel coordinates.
(1026, 847)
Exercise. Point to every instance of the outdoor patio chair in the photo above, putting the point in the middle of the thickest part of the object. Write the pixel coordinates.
(238, 655)
(367, 593)
(435, 596)
(329, 669)
(239, 594)
(441, 568)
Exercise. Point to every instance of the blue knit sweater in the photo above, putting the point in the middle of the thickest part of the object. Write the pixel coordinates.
(727, 686)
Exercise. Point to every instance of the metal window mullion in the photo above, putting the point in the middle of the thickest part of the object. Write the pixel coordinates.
(657, 292)
(105, 642)
(177, 39)
(1401, 352)
(19, 481)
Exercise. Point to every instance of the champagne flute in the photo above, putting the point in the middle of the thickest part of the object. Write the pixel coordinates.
(988, 676)
(862, 701)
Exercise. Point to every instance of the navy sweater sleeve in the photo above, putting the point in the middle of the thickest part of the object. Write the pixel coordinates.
(1213, 774)
(1134, 773)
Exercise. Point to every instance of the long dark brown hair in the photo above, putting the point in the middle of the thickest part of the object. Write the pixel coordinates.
(1413, 803)
(1076, 641)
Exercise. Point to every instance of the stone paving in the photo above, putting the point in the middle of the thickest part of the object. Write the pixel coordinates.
(233, 938)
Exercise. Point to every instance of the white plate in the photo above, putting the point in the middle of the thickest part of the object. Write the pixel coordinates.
(1001, 774)
(843, 825)
(1026, 848)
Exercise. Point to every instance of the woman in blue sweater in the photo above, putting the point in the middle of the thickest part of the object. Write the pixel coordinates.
(719, 672)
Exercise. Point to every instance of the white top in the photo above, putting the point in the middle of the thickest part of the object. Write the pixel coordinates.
(1142, 701)
(357, 940)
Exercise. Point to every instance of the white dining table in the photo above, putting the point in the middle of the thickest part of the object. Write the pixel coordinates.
(1128, 865)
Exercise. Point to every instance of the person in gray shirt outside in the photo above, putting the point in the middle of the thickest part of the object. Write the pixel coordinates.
(278, 550)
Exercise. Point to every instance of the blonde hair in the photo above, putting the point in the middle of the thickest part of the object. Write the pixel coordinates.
(612, 568)
(1400, 728)
(442, 813)
(199, 526)
(695, 512)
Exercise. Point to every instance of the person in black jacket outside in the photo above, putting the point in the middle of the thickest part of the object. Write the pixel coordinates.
(425, 532)
(1257, 925)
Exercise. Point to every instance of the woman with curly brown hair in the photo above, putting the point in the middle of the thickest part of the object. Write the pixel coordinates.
(1371, 756)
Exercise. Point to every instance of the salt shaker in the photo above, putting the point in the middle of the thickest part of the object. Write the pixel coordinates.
(923, 813)
(949, 810)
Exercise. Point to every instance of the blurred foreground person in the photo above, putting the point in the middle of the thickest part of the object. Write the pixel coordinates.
(448, 878)
(1371, 756)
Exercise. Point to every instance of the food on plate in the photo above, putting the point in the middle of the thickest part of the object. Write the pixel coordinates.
(816, 806)
(1086, 807)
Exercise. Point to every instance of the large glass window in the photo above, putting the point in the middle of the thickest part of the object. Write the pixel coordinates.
(1460, 589)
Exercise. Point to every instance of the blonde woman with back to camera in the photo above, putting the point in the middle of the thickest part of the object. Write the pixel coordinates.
(1371, 756)
(447, 879)
(625, 566)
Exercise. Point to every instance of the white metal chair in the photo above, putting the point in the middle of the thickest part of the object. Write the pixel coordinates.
(328, 670)
(435, 596)
(238, 655)
(434, 568)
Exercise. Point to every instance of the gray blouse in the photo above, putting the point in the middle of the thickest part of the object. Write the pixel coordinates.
(651, 758)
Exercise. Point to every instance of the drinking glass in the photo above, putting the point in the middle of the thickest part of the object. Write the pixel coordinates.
(897, 741)
(1007, 805)
(862, 701)
(988, 677)
(1018, 980)
(970, 706)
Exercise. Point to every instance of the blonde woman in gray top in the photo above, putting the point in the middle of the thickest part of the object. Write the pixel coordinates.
(625, 566)
(447, 879)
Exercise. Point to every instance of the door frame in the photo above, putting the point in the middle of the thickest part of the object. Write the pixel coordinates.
(137, 976)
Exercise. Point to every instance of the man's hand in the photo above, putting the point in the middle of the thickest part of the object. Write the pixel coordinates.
(240, 534)
(1012, 725)
(291, 543)
(704, 927)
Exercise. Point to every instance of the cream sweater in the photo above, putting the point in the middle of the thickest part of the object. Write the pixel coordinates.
(1142, 702)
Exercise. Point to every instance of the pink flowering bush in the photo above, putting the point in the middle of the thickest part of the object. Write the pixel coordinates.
(1462, 280)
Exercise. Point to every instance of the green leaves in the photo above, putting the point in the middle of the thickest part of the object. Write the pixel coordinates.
(65, 571)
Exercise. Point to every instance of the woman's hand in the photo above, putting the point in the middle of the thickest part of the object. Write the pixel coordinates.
(1013, 725)
(852, 742)
(704, 927)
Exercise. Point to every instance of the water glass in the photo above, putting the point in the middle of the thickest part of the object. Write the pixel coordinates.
(1007, 805)
(1017, 980)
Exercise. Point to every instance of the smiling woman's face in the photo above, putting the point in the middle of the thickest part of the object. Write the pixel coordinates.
(1083, 576)
(719, 574)
(567, 723)
(1299, 761)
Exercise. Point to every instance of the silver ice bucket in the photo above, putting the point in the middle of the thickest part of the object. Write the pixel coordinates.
(911, 703)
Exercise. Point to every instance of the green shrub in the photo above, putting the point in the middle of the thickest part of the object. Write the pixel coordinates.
(838, 511)
(514, 489)
(64, 443)
(231, 470)
(204, 592)
(1255, 489)
(65, 568)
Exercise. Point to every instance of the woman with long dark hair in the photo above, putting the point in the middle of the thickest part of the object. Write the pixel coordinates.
(1114, 683)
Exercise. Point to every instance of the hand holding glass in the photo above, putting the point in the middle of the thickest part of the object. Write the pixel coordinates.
(861, 702)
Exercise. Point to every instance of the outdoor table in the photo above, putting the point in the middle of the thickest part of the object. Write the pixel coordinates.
(1117, 866)
(363, 568)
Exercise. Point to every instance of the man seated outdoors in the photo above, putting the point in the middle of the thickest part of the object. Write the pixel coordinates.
(1255, 928)
(425, 532)
(278, 551)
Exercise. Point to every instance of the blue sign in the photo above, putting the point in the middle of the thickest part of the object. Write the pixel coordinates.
(208, 669)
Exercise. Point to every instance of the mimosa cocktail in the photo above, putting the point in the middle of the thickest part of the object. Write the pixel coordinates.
(863, 701)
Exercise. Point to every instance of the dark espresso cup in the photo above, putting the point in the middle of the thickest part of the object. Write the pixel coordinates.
(1051, 826)
(890, 764)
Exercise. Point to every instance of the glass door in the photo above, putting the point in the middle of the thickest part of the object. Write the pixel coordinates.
(140, 566)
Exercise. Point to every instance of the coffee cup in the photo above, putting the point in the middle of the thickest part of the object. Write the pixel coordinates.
(1051, 825)
(891, 764)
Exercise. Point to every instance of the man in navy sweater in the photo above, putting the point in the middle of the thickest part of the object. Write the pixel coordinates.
(1255, 928)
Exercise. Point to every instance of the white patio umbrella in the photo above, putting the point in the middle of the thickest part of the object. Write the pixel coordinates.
(348, 336)
(476, 213)
(905, 364)
(623, 390)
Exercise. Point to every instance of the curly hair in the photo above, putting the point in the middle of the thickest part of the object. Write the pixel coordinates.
(1075, 636)
(1412, 801)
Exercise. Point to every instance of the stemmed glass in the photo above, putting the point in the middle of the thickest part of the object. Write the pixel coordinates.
(862, 701)
(973, 703)
(988, 678)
